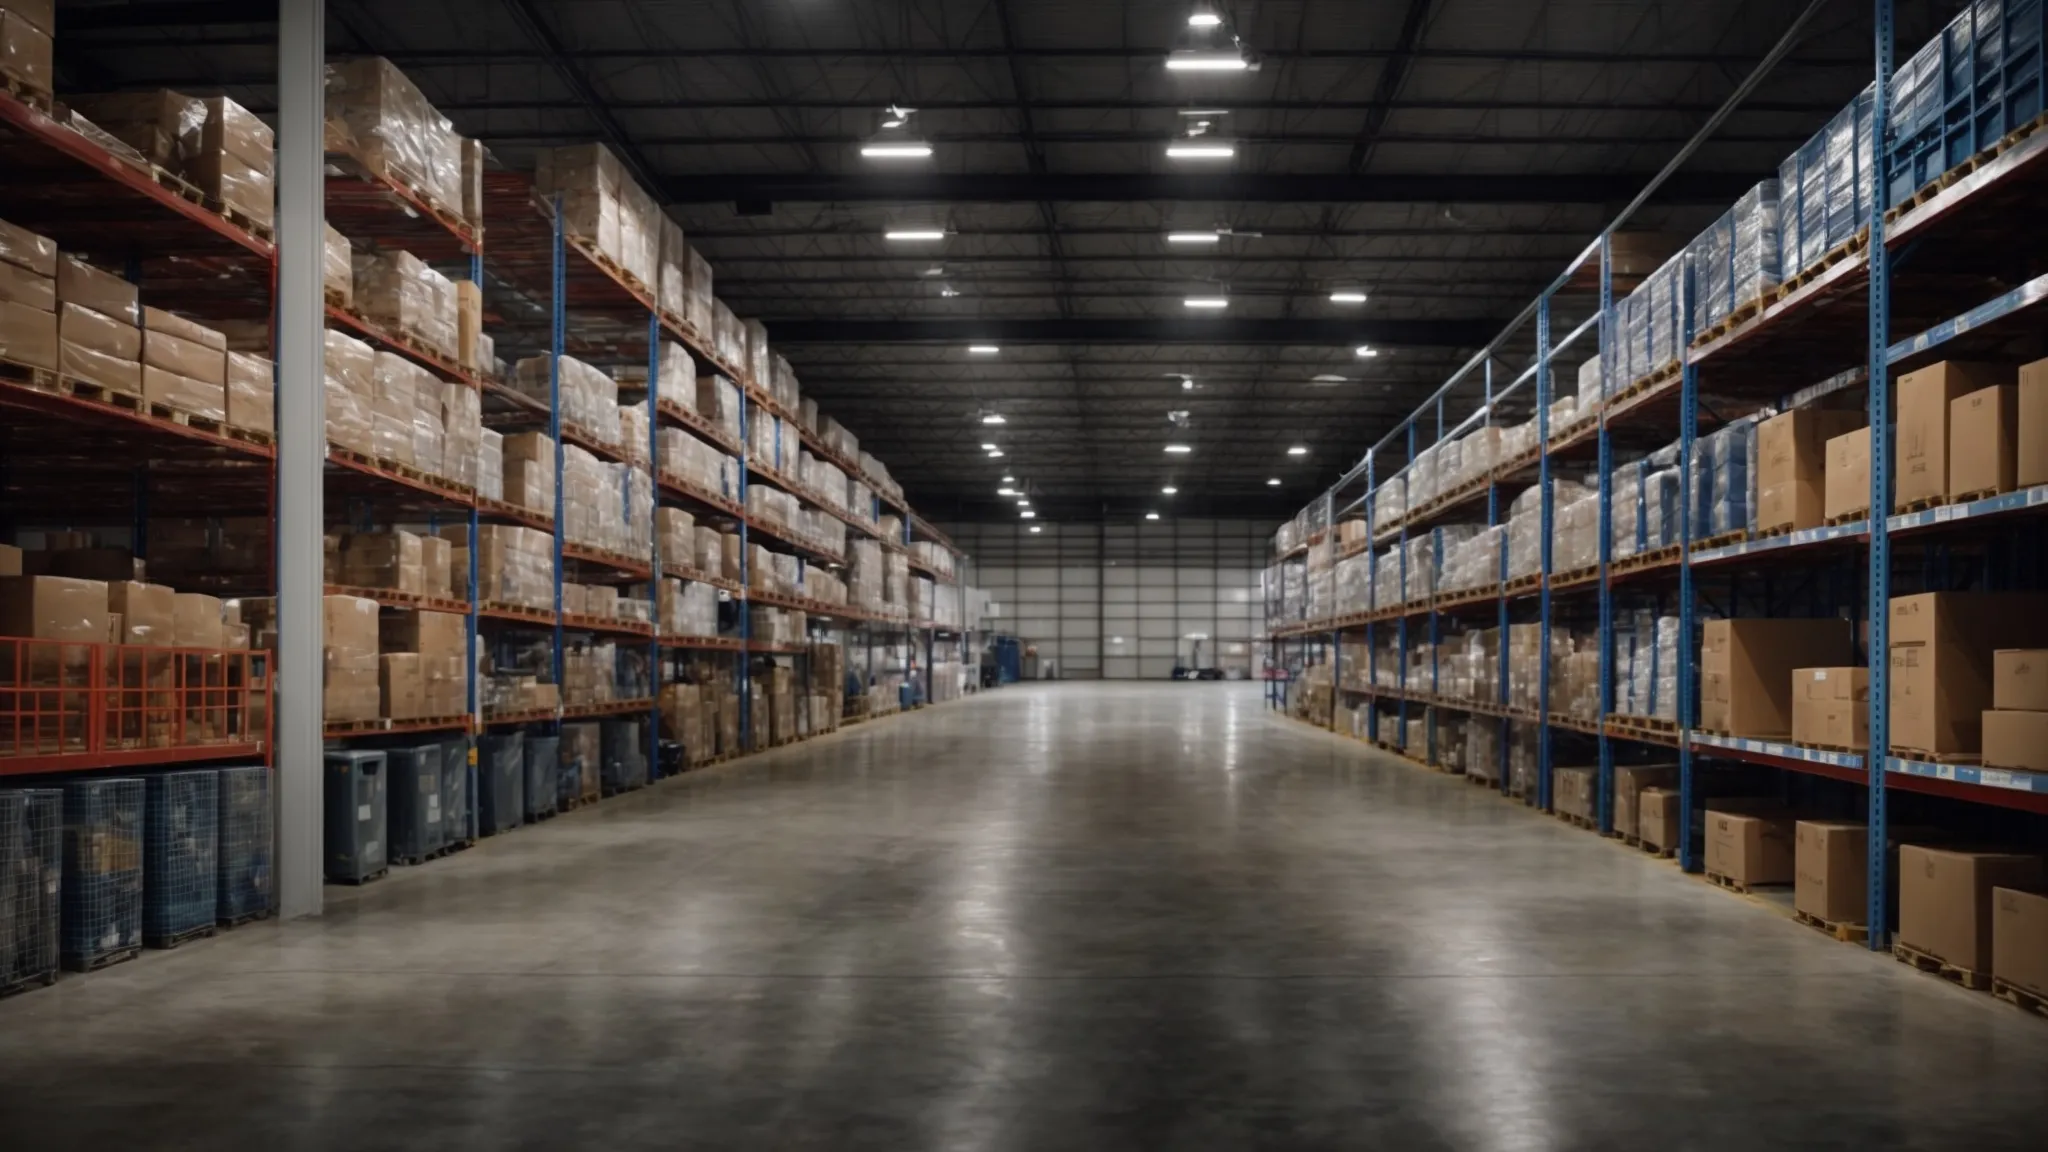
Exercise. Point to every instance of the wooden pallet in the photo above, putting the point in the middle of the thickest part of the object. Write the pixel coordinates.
(174, 939)
(104, 959)
(372, 878)
(243, 220)
(1577, 821)
(1772, 533)
(1655, 558)
(1973, 497)
(1847, 249)
(1646, 723)
(1660, 853)
(1738, 316)
(1845, 932)
(1724, 540)
(23, 984)
(1922, 505)
(32, 96)
(244, 918)
(1734, 885)
(1936, 758)
(1927, 962)
(1857, 516)
(2018, 997)
(1576, 576)
(572, 803)
(1841, 748)
(1523, 584)
(1957, 174)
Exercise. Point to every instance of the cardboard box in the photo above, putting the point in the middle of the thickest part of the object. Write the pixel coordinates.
(2019, 939)
(1983, 442)
(401, 693)
(2032, 419)
(2019, 679)
(149, 612)
(1945, 899)
(10, 560)
(25, 249)
(1924, 403)
(392, 559)
(235, 131)
(192, 397)
(1941, 661)
(54, 608)
(99, 349)
(251, 392)
(1746, 671)
(1658, 823)
(28, 336)
(88, 563)
(1831, 707)
(199, 621)
(27, 287)
(1792, 466)
(1831, 859)
(98, 290)
(1848, 475)
(2016, 740)
(188, 358)
(352, 687)
(236, 183)
(469, 323)
(1573, 791)
(26, 51)
(1751, 847)
(437, 571)
(1630, 780)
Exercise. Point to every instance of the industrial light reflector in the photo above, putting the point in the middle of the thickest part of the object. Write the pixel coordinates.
(896, 150)
(1028, 514)
(983, 349)
(1035, 529)
(1273, 483)
(1151, 515)
(1006, 491)
(1347, 296)
(1194, 237)
(1208, 303)
(1206, 60)
(1169, 490)
(1178, 449)
(994, 418)
(1298, 450)
(1367, 352)
(1200, 150)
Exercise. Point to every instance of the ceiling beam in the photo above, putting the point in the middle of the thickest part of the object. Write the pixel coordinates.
(1139, 330)
(1392, 75)
(1120, 104)
(1708, 188)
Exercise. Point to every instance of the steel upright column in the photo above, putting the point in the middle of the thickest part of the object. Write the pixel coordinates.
(1881, 448)
(301, 452)
(1500, 687)
(654, 653)
(558, 328)
(1401, 625)
(1545, 497)
(1603, 799)
(1372, 603)
(1687, 710)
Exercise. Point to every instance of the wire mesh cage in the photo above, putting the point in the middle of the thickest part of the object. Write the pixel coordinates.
(625, 754)
(357, 805)
(543, 766)
(458, 829)
(501, 782)
(180, 850)
(244, 857)
(31, 862)
(102, 884)
(414, 820)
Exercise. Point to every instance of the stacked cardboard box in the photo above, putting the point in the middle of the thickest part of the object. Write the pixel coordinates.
(429, 649)
(1946, 900)
(236, 165)
(527, 471)
(26, 29)
(399, 291)
(1848, 476)
(515, 565)
(184, 365)
(604, 207)
(1751, 847)
(2016, 725)
(1926, 404)
(1658, 818)
(2031, 458)
(1792, 458)
(1746, 671)
(69, 612)
(28, 298)
(377, 115)
(2019, 939)
(590, 399)
(397, 560)
(353, 690)
(1942, 646)
(351, 389)
(1831, 707)
(99, 327)
(688, 608)
(1983, 443)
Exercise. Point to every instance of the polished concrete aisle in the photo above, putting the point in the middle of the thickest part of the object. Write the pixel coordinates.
(1061, 917)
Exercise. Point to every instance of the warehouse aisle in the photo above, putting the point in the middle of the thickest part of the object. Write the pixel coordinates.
(1065, 917)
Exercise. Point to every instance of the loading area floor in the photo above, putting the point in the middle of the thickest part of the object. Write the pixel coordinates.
(1050, 917)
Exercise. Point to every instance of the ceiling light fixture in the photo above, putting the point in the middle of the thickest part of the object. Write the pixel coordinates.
(1006, 491)
(1298, 450)
(1169, 490)
(1207, 60)
(1208, 303)
(1367, 352)
(894, 141)
(1347, 296)
(982, 350)
(1151, 515)
(995, 418)
(1028, 514)
(995, 453)
(1194, 237)
(1273, 483)
(1200, 150)
(1023, 503)
(988, 447)
(1009, 479)
(948, 292)
(914, 235)
(1178, 449)
(1035, 529)
(1187, 384)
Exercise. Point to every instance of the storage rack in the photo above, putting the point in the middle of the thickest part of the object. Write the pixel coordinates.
(68, 451)
(72, 453)
(1933, 239)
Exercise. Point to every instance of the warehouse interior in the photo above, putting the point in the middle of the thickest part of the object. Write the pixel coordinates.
(1017, 573)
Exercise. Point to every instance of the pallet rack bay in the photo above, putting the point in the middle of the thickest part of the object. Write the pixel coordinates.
(1927, 272)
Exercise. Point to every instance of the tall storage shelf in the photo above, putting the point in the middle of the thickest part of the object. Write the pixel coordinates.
(1918, 270)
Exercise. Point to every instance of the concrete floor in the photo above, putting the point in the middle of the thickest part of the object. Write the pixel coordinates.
(1059, 917)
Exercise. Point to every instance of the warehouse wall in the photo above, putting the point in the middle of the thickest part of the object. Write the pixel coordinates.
(1125, 601)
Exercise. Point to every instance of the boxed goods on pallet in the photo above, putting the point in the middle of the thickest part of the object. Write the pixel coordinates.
(675, 539)
(602, 206)
(688, 609)
(184, 365)
(2031, 456)
(1831, 864)
(490, 465)
(1925, 399)
(1848, 476)
(1572, 791)
(26, 28)
(398, 290)
(98, 326)
(1646, 655)
(1652, 325)
(1750, 848)
(181, 845)
(1945, 900)
(1792, 466)
(527, 468)
(398, 560)
(1826, 188)
(624, 745)
(1983, 442)
(1746, 671)
(251, 393)
(2016, 727)
(501, 782)
(582, 761)
(351, 388)
(1831, 707)
(437, 644)
(1630, 782)
(590, 399)
(103, 866)
(2019, 940)
(1988, 61)
(689, 460)
(351, 690)
(1735, 261)
(338, 269)
(606, 506)
(1941, 663)
(377, 115)
(31, 871)
(1723, 467)
(413, 803)
(236, 165)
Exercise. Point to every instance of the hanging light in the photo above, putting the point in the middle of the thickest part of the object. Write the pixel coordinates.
(895, 141)
(1348, 296)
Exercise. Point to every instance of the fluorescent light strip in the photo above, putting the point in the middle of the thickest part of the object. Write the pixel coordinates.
(1347, 297)
(1194, 237)
(1178, 449)
(1208, 303)
(896, 151)
(914, 235)
(1201, 151)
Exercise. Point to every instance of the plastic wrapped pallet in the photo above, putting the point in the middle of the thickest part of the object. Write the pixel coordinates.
(398, 290)
(337, 269)
(490, 464)
(501, 782)
(718, 401)
(103, 870)
(515, 565)
(31, 871)
(236, 163)
(390, 126)
(163, 126)
(673, 290)
(351, 384)
(624, 752)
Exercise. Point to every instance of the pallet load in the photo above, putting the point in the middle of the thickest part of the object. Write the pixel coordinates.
(353, 691)
(1792, 467)
(1746, 671)
(379, 118)
(27, 28)
(2019, 948)
(357, 805)
(31, 869)
(1831, 708)
(1945, 907)
(103, 858)
(1941, 656)
(1925, 405)
(2016, 726)
(98, 328)
(28, 300)
(181, 853)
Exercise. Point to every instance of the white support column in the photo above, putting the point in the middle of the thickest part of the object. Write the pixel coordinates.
(301, 451)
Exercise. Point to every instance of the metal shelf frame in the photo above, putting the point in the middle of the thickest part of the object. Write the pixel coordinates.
(1627, 405)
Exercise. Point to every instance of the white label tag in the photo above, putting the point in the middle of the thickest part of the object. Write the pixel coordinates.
(363, 813)
(1820, 674)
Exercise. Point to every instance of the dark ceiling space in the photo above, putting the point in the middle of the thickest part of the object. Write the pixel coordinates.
(1447, 157)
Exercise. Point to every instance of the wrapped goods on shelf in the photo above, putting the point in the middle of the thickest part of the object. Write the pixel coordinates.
(163, 126)
(1625, 494)
(31, 252)
(1735, 261)
(351, 388)
(394, 406)
(589, 398)
(590, 673)
(672, 292)
(729, 336)
(640, 220)
(824, 481)
(1575, 673)
(782, 385)
(838, 439)
(394, 559)
(1722, 467)
(527, 471)
(1354, 585)
(675, 538)
(718, 401)
(398, 290)
(94, 346)
(691, 460)
(25, 47)
(865, 575)
(1575, 522)
(688, 608)
(429, 436)
(939, 558)
(633, 434)
(1825, 187)
(1646, 653)
(473, 350)
(699, 315)
(1472, 559)
(387, 124)
(1590, 382)
(251, 392)
(490, 463)
(514, 565)
(601, 504)
(350, 652)
(338, 269)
